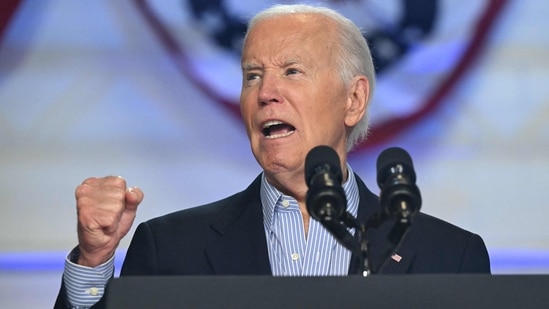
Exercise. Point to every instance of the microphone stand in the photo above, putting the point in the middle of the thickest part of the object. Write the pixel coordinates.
(361, 248)
(365, 260)
(358, 245)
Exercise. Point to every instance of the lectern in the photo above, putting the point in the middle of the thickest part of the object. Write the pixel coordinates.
(383, 291)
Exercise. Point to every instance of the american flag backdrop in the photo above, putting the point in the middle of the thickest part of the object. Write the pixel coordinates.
(148, 89)
(421, 49)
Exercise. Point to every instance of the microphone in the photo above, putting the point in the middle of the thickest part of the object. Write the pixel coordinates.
(399, 197)
(326, 200)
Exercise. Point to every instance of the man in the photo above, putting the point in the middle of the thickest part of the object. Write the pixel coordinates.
(307, 81)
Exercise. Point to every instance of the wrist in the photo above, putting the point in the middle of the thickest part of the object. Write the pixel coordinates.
(83, 258)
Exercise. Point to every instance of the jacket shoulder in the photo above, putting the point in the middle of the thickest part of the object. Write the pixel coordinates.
(446, 248)
(226, 209)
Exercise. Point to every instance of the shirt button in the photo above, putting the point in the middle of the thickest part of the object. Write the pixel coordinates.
(285, 203)
(295, 256)
(94, 291)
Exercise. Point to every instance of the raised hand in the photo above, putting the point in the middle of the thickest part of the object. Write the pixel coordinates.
(106, 210)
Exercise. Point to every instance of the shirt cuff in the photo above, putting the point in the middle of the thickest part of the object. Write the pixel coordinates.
(85, 285)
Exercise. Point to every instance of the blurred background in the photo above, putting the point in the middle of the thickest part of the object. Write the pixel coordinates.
(149, 90)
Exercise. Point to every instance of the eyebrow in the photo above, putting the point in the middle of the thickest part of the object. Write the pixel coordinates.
(287, 63)
(250, 66)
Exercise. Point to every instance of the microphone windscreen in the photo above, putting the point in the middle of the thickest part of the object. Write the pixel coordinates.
(390, 158)
(319, 159)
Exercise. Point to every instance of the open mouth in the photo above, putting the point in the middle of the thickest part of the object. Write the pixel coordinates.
(277, 129)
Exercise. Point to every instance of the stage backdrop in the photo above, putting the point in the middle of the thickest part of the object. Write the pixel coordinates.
(149, 90)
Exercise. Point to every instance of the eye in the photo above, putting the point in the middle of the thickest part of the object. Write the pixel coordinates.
(292, 71)
(251, 76)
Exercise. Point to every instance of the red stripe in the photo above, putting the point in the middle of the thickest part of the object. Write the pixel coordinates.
(391, 128)
(179, 56)
(7, 10)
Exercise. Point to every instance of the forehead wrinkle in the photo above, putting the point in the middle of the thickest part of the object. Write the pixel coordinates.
(277, 60)
(317, 35)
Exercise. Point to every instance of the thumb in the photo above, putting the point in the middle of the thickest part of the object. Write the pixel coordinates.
(134, 196)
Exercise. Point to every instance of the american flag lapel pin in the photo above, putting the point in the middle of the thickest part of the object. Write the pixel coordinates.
(396, 258)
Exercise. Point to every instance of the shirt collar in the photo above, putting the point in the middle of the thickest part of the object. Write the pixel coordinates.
(270, 196)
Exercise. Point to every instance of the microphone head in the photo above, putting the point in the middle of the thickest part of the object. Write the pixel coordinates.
(400, 197)
(325, 200)
(391, 159)
(322, 159)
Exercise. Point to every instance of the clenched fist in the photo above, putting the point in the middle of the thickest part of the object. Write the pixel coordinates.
(106, 208)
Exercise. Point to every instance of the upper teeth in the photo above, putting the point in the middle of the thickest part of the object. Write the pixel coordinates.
(272, 123)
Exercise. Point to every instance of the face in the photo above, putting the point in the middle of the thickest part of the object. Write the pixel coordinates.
(292, 97)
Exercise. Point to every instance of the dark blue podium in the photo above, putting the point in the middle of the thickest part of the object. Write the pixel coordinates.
(382, 291)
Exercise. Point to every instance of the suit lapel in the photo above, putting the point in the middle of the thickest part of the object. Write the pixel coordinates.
(241, 248)
(400, 262)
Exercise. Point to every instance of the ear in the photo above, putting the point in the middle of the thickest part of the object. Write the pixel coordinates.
(359, 90)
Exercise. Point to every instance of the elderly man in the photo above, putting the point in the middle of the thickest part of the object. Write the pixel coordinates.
(307, 81)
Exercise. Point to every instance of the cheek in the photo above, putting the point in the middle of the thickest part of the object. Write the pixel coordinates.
(330, 118)
(246, 114)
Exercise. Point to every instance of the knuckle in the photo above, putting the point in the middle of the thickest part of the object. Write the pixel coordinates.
(118, 182)
(82, 190)
(90, 180)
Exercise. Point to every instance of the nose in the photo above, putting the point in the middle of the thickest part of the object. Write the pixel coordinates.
(269, 91)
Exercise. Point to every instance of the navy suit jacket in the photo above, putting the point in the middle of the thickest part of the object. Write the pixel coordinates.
(227, 237)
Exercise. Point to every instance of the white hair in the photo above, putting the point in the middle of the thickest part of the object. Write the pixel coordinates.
(354, 57)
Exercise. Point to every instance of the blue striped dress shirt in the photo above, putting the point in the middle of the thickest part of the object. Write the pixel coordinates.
(85, 285)
(291, 252)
